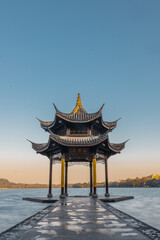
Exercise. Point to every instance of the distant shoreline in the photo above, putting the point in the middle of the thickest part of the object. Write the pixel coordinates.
(152, 181)
(71, 187)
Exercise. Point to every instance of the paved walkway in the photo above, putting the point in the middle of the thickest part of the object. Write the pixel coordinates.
(81, 218)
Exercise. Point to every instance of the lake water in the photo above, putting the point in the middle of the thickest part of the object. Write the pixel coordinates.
(145, 206)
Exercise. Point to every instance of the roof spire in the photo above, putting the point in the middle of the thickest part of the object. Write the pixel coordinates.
(78, 108)
(79, 104)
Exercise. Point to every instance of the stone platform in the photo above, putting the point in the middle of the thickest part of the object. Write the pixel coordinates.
(56, 198)
(115, 198)
(42, 199)
(81, 218)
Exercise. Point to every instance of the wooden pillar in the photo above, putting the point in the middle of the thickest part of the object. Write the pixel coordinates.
(50, 179)
(94, 195)
(91, 185)
(62, 177)
(106, 177)
(66, 178)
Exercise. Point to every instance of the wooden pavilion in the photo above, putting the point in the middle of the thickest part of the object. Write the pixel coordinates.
(78, 137)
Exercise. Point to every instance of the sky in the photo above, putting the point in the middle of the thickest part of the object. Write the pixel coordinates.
(109, 51)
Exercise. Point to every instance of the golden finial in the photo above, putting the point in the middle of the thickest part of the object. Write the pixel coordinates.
(79, 104)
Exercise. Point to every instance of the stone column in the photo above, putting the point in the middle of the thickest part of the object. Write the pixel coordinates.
(94, 195)
(50, 179)
(66, 178)
(91, 178)
(62, 177)
(106, 176)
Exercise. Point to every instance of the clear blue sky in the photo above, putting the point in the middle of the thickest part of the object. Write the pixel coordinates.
(109, 51)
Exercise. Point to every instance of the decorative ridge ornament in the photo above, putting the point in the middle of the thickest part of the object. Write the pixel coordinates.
(78, 108)
(100, 110)
(79, 100)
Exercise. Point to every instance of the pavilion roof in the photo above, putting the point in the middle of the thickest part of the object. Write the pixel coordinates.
(77, 142)
(108, 125)
(57, 143)
(79, 114)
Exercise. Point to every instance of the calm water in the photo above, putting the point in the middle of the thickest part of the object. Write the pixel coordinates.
(145, 206)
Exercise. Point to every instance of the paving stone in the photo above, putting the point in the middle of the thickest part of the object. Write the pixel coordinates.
(81, 218)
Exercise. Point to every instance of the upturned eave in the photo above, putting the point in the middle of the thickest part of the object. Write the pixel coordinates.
(117, 147)
(46, 125)
(43, 148)
(110, 125)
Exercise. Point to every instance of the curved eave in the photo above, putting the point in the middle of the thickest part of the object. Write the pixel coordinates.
(110, 125)
(41, 147)
(117, 147)
(92, 141)
(46, 125)
(78, 117)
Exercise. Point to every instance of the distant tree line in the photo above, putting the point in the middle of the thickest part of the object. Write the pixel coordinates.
(136, 182)
(4, 183)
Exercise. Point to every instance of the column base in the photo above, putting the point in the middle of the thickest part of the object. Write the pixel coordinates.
(90, 194)
(62, 196)
(107, 195)
(49, 195)
(94, 195)
(66, 194)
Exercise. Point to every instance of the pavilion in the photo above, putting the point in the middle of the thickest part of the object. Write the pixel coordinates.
(78, 138)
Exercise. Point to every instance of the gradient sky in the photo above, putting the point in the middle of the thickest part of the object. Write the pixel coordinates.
(109, 51)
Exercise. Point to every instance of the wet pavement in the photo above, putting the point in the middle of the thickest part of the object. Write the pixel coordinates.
(81, 218)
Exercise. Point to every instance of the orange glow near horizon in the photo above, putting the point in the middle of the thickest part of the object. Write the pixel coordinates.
(37, 170)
